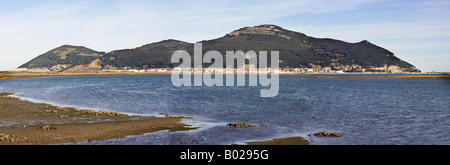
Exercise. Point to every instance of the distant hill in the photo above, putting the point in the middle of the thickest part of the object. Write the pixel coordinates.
(65, 55)
(155, 55)
(297, 50)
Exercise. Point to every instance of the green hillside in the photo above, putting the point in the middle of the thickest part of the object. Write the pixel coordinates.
(296, 50)
(66, 54)
(155, 55)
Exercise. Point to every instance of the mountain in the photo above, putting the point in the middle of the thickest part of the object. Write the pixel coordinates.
(296, 50)
(64, 55)
(155, 55)
(299, 50)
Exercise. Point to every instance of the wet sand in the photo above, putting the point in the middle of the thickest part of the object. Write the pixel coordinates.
(26, 123)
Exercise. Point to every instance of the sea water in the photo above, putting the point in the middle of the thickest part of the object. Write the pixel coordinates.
(365, 111)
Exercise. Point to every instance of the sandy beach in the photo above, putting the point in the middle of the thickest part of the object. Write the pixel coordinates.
(9, 75)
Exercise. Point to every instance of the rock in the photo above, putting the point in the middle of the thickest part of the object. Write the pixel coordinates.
(5, 94)
(99, 113)
(54, 109)
(241, 125)
(337, 134)
(166, 114)
(8, 138)
(328, 134)
(48, 127)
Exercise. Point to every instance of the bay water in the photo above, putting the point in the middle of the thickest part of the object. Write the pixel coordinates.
(397, 112)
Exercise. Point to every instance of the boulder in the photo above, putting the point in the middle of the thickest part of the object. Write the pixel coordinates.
(328, 134)
(9, 138)
(165, 114)
(241, 125)
(48, 127)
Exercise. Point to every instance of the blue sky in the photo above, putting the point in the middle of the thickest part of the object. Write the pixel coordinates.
(415, 31)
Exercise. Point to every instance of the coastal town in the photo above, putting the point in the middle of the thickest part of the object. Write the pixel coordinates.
(93, 67)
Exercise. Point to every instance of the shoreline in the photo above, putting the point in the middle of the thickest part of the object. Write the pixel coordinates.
(27, 123)
(6, 76)
(12, 75)
(400, 77)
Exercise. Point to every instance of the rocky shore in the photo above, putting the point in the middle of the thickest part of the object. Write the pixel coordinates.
(27, 123)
